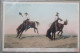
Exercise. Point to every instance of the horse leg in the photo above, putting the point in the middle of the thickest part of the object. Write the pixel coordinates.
(36, 29)
(58, 33)
(20, 35)
(61, 33)
(54, 36)
(18, 32)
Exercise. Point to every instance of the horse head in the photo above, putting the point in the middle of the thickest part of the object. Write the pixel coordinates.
(66, 22)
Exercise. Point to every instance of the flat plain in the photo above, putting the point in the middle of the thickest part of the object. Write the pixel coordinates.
(39, 41)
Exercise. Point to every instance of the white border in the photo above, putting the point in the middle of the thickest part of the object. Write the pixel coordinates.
(37, 49)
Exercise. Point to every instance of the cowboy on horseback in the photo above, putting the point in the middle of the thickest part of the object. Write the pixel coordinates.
(27, 22)
(56, 26)
(57, 19)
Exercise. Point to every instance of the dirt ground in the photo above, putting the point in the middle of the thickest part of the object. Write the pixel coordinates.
(39, 41)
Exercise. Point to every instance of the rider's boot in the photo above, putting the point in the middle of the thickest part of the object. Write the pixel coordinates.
(56, 28)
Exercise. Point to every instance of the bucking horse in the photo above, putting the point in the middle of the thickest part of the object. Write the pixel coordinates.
(52, 30)
(22, 27)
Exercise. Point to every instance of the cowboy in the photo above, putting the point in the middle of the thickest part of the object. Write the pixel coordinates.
(57, 19)
(27, 21)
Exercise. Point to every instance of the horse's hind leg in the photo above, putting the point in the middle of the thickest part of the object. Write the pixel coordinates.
(17, 34)
(36, 29)
(20, 35)
(61, 34)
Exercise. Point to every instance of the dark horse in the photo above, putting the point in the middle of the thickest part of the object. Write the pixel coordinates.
(22, 27)
(52, 30)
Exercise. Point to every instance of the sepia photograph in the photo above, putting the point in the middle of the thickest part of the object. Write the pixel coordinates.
(39, 25)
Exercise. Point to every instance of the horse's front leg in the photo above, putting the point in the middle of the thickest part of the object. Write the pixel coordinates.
(61, 33)
(58, 33)
(54, 36)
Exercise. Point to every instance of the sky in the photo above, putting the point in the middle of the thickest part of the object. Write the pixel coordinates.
(44, 13)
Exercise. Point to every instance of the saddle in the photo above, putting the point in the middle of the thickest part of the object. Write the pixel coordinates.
(59, 24)
(30, 23)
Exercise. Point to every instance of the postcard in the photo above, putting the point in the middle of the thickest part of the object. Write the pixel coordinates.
(40, 27)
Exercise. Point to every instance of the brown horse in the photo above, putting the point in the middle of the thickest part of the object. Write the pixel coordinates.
(22, 27)
(52, 30)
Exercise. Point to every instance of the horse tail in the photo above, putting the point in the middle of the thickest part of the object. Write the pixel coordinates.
(48, 34)
(65, 22)
(37, 23)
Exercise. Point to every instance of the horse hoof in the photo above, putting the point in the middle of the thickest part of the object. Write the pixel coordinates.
(60, 37)
(19, 37)
(51, 38)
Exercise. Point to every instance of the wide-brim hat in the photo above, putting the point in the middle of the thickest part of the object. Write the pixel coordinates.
(57, 14)
(26, 13)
